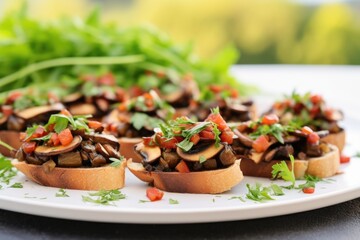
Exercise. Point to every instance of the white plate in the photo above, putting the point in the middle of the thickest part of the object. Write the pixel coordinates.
(39, 200)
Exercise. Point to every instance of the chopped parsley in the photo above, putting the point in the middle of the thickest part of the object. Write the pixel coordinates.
(104, 197)
(173, 201)
(61, 193)
(16, 185)
(258, 193)
(7, 172)
(237, 198)
(281, 170)
(277, 190)
(144, 201)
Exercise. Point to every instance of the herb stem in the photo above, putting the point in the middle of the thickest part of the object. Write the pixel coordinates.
(7, 146)
(69, 61)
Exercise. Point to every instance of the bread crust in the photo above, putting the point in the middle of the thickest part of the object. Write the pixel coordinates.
(322, 167)
(100, 178)
(205, 182)
(127, 148)
(12, 138)
(337, 139)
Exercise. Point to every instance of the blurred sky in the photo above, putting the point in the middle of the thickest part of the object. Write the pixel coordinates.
(264, 31)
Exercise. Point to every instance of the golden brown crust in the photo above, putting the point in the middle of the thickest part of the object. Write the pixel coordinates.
(12, 138)
(337, 139)
(127, 148)
(205, 182)
(325, 166)
(101, 178)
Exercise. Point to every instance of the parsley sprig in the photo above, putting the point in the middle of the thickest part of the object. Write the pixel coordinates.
(281, 170)
(61, 193)
(116, 162)
(7, 172)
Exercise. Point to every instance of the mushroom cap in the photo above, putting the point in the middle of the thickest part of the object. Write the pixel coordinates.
(51, 151)
(207, 151)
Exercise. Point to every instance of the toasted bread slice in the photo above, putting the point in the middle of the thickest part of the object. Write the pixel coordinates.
(322, 167)
(99, 178)
(337, 139)
(206, 182)
(127, 148)
(12, 138)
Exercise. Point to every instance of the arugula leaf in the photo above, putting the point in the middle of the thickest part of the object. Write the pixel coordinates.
(186, 144)
(61, 193)
(281, 170)
(104, 197)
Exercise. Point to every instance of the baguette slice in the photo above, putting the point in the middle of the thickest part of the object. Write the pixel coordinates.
(206, 182)
(12, 138)
(337, 139)
(322, 167)
(127, 148)
(100, 178)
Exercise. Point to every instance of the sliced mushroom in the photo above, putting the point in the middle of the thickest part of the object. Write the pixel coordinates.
(245, 140)
(48, 166)
(238, 108)
(97, 160)
(171, 158)
(291, 139)
(33, 112)
(3, 120)
(103, 139)
(256, 157)
(33, 160)
(322, 133)
(74, 97)
(175, 96)
(270, 155)
(149, 154)
(70, 159)
(283, 152)
(227, 156)
(101, 150)
(15, 123)
(111, 151)
(83, 109)
(206, 151)
(102, 104)
(20, 155)
(210, 164)
(51, 151)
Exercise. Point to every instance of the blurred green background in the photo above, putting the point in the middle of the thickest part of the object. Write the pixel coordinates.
(264, 31)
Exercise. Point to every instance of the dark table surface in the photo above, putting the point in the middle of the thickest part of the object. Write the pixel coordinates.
(340, 221)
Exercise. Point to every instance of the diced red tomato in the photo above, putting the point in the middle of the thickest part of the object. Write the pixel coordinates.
(261, 144)
(216, 88)
(154, 194)
(227, 136)
(107, 79)
(29, 147)
(161, 74)
(148, 141)
(207, 134)
(94, 124)
(66, 112)
(65, 137)
(179, 138)
(329, 113)
(308, 190)
(344, 159)
(234, 93)
(306, 130)
(54, 139)
(12, 97)
(149, 101)
(315, 98)
(313, 138)
(298, 108)
(314, 111)
(270, 119)
(40, 132)
(218, 120)
(168, 143)
(182, 167)
(51, 127)
(195, 139)
(136, 91)
(7, 110)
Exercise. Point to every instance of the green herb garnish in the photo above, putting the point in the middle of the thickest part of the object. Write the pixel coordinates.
(104, 197)
(16, 185)
(140, 120)
(173, 201)
(281, 170)
(277, 190)
(61, 193)
(7, 172)
(116, 162)
(237, 198)
(202, 159)
(258, 193)
(143, 201)
(186, 144)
